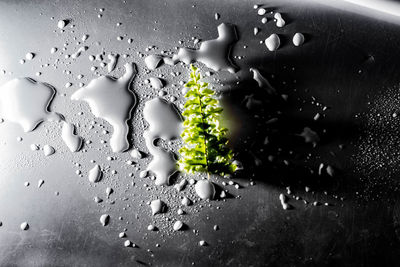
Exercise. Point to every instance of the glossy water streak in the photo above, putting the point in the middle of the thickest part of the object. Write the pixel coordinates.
(164, 123)
(112, 100)
(213, 53)
(26, 102)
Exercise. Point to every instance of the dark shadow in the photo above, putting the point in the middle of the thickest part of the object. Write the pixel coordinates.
(266, 138)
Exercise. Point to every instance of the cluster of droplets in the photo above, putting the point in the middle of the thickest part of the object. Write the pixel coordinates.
(377, 165)
(105, 176)
(273, 42)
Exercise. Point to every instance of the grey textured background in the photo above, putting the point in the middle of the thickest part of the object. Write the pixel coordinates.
(254, 230)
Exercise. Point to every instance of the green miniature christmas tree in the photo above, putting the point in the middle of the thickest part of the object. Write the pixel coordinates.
(205, 148)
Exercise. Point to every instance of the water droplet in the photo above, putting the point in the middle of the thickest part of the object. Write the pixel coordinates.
(29, 56)
(127, 243)
(153, 61)
(273, 42)
(79, 51)
(262, 81)
(95, 174)
(186, 201)
(205, 189)
(156, 83)
(330, 170)
(104, 219)
(73, 141)
(178, 225)
(48, 150)
(284, 203)
(156, 206)
(24, 226)
(136, 154)
(151, 228)
(62, 23)
(202, 243)
(85, 37)
(280, 22)
(181, 185)
(256, 30)
(109, 191)
(143, 174)
(310, 136)
(298, 39)
(113, 62)
(112, 100)
(261, 11)
(34, 147)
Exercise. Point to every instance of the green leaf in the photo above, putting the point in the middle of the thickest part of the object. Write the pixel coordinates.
(205, 143)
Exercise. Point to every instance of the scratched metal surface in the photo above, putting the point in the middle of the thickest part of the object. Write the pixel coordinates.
(254, 230)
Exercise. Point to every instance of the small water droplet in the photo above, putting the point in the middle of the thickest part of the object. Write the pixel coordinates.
(40, 183)
(72, 140)
(95, 174)
(48, 150)
(156, 206)
(105, 219)
(24, 226)
(178, 225)
(205, 189)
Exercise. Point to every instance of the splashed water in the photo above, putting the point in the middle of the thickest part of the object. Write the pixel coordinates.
(72, 140)
(26, 102)
(112, 100)
(165, 123)
(213, 53)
